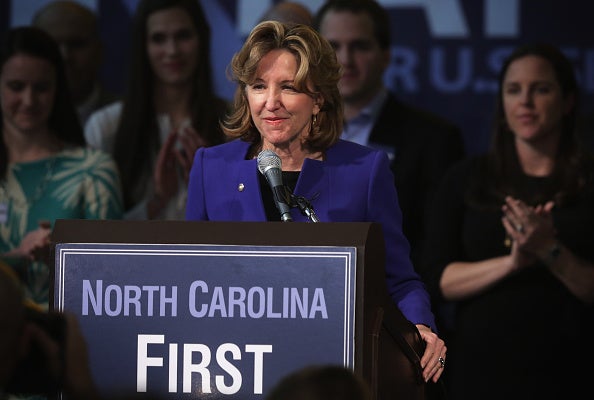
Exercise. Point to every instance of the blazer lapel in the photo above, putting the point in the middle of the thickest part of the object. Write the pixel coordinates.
(248, 190)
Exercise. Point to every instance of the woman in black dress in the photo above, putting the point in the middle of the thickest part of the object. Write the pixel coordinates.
(511, 244)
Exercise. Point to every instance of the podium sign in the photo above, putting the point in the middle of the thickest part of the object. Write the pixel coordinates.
(204, 309)
(186, 321)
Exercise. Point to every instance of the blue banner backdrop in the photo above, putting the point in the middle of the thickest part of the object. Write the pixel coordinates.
(205, 321)
(445, 53)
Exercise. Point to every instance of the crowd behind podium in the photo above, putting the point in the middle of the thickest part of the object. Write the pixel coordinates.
(500, 240)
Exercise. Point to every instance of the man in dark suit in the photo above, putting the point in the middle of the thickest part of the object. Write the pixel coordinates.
(421, 145)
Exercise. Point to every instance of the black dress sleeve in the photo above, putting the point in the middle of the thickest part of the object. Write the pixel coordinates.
(444, 226)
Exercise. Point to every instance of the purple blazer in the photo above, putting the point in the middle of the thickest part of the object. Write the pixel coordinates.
(353, 184)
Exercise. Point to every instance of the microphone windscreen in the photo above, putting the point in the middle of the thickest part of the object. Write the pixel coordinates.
(268, 159)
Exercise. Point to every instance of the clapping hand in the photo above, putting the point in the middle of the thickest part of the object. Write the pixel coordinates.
(35, 244)
(530, 228)
(176, 154)
(190, 141)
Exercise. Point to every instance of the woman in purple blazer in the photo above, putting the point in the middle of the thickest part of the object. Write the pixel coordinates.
(288, 102)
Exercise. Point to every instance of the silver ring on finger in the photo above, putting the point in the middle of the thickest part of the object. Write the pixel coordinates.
(441, 362)
(520, 228)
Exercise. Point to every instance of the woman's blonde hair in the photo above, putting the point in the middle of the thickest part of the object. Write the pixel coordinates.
(318, 73)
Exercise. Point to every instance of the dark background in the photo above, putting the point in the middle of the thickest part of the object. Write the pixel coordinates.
(451, 71)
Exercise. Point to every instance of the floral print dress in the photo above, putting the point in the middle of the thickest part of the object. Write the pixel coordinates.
(76, 183)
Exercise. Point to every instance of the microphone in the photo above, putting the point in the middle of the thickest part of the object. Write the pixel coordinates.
(305, 207)
(269, 165)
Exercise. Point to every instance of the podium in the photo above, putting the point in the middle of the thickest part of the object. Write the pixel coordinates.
(106, 270)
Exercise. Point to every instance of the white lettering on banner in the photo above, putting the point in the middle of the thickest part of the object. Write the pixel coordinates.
(143, 362)
(127, 300)
(256, 302)
(445, 18)
(249, 12)
(502, 18)
(235, 374)
(458, 69)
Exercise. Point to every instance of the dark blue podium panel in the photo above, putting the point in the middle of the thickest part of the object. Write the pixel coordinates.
(204, 321)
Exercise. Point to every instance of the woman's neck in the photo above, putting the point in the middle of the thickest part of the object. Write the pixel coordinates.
(293, 158)
(31, 146)
(537, 160)
(174, 101)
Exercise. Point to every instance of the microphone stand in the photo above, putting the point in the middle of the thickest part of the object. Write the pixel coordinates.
(305, 207)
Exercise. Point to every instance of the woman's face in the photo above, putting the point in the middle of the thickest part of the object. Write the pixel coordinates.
(281, 113)
(533, 102)
(172, 46)
(27, 92)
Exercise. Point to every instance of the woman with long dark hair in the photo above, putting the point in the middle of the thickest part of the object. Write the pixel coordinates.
(46, 171)
(511, 243)
(168, 111)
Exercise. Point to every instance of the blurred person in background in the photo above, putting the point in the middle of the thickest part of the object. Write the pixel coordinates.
(289, 11)
(46, 171)
(168, 111)
(321, 382)
(510, 243)
(420, 145)
(74, 28)
(41, 353)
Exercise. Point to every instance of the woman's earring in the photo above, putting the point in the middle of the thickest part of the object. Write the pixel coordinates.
(315, 119)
